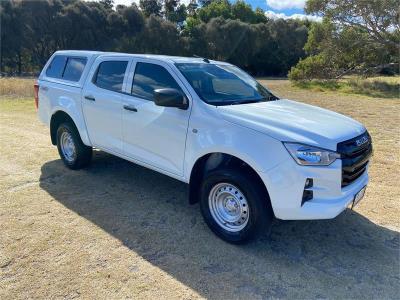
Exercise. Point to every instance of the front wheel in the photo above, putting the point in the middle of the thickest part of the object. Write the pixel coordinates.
(235, 206)
(74, 153)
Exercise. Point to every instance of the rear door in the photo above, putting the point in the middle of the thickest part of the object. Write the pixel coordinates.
(153, 134)
(102, 102)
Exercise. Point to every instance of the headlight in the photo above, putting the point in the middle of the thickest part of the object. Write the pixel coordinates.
(311, 156)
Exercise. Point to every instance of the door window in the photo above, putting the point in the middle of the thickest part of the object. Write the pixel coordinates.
(110, 75)
(149, 77)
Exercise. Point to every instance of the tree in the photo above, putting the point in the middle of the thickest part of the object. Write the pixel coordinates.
(108, 4)
(378, 18)
(356, 36)
(151, 7)
(204, 3)
(219, 8)
(239, 10)
(160, 37)
(242, 11)
(32, 30)
(174, 11)
(12, 37)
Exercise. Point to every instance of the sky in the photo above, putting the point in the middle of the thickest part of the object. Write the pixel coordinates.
(273, 8)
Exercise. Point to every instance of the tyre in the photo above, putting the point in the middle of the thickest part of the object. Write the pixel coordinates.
(235, 206)
(73, 152)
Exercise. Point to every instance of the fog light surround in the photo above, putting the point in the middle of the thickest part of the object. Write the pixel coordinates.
(307, 193)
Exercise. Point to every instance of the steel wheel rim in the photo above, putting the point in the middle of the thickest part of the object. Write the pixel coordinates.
(67, 146)
(229, 207)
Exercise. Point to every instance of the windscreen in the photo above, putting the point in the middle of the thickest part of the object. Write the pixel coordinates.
(224, 84)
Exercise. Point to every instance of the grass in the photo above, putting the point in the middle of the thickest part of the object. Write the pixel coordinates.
(115, 230)
(16, 87)
(377, 87)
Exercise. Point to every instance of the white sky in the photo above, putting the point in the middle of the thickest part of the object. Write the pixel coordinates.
(286, 4)
(129, 2)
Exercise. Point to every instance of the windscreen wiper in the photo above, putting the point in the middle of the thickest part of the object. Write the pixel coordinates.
(247, 101)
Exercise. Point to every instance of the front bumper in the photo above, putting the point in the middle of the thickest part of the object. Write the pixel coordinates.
(285, 185)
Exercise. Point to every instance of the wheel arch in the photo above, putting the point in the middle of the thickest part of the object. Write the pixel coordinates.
(213, 160)
(57, 118)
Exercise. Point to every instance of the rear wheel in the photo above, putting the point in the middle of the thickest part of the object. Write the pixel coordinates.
(73, 152)
(235, 206)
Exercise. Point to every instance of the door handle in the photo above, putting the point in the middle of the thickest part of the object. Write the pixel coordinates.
(44, 88)
(130, 108)
(91, 98)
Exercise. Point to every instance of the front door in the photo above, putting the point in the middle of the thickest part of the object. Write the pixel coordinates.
(153, 134)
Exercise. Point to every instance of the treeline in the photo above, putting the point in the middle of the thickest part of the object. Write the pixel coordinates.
(32, 30)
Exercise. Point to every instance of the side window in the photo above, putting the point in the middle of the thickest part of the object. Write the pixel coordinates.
(110, 75)
(56, 67)
(74, 68)
(149, 77)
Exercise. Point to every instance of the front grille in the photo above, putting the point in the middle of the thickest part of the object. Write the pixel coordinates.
(355, 154)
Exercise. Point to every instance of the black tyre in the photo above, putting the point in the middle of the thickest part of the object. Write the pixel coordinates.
(73, 152)
(235, 206)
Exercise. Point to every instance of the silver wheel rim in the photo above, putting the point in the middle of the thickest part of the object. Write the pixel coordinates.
(228, 207)
(67, 146)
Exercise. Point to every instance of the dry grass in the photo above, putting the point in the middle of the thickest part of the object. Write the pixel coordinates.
(116, 230)
(378, 87)
(16, 87)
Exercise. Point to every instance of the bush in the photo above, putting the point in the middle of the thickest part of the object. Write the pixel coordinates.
(312, 67)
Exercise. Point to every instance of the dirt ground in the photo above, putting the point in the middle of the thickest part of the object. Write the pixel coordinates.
(116, 230)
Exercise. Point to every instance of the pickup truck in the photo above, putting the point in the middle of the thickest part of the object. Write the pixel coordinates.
(246, 155)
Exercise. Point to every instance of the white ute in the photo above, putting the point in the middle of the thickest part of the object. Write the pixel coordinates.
(246, 155)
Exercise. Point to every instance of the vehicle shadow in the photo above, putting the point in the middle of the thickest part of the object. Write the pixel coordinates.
(149, 213)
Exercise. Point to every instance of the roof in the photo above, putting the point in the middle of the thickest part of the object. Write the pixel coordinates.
(168, 58)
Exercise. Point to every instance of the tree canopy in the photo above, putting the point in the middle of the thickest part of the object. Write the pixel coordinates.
(355, 36)
(217, 29)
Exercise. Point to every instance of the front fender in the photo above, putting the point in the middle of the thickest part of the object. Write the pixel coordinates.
(259, 151)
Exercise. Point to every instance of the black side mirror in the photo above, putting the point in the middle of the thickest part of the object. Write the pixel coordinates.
(170, 98)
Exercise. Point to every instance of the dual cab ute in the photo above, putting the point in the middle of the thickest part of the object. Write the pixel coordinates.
(246, 155)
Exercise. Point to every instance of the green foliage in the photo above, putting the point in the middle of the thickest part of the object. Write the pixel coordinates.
(33, 30)
(239, 10)
(355, 36)
(220, 8)
(378, 18)
(151, 7)
(312, 67)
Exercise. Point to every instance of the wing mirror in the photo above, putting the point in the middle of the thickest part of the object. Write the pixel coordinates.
(170, 98)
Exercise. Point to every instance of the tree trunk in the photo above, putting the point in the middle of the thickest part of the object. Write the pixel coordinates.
(19, 63)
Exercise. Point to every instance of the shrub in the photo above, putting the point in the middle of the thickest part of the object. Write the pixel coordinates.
(312, 67)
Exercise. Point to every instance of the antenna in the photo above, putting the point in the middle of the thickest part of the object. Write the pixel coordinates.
(204, 59)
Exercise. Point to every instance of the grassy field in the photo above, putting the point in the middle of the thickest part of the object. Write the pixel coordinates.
(378, 87)
(116, 230)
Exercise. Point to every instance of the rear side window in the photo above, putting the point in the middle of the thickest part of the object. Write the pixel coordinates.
(56, 67)
(110, 75)
(67, 68)
(74, 68)
(149, 77)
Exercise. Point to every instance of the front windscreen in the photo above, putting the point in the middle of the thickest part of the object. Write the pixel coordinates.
(220, 84)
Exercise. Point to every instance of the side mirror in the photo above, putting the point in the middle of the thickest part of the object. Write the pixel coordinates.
(170, 98)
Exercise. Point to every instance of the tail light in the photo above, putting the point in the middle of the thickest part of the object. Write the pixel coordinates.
(36, 88)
